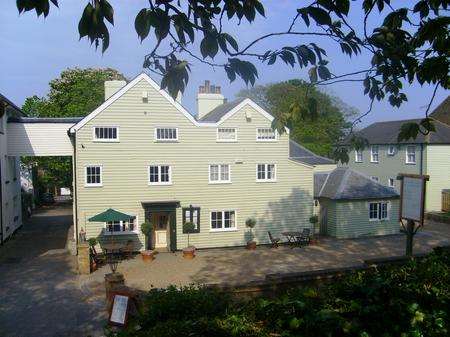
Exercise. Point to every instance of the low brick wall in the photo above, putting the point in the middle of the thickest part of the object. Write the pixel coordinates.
(438, 217)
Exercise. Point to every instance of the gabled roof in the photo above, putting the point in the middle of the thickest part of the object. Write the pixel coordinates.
(344, 183)
(201, 123)
(387, 133)
(303, 155)
(442, 111)
(217, 113)
(11, 105)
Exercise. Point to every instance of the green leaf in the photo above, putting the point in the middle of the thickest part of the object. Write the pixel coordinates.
(319, 15)
(107, 11)
(260, 8)
(84, 26)
(142, 24)
(324, 73)
(231, 41)
(408, 131)
(313, 74)
(209, 46)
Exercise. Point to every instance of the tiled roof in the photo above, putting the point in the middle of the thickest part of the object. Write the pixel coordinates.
(217, 113)
(442, 111)
(387, 133)
(303, 155)
(344, 183)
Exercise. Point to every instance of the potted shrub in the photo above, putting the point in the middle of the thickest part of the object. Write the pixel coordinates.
(251, 223)
(147, 254)
(314, 220)
(189, 251)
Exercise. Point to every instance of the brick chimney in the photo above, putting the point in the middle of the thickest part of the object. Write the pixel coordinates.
(208, 98)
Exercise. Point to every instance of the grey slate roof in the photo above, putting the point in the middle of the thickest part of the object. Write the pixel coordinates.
(14, 107)
(303, 155)
(69, 120)
(387, 132)
(216, 114)
(442, 111)
(344, 183)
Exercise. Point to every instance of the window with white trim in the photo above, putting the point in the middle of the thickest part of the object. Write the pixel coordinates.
(223, 220)
(219, 173)
(265, 172)
(358, 156)
(374, 154)
(159, 175)
(226, 134)
(93, 175)
(192, 214)
(391, 150)
(378, 211)
(106, 133)
(411, 154)
(121, 227)
(374, 178)
(265, 134)
(391, 182)
(166, 134)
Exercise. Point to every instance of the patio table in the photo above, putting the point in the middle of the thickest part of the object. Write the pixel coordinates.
(293, 238)
(113, 247)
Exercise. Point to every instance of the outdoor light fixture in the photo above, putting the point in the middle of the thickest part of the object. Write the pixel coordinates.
(113, 261)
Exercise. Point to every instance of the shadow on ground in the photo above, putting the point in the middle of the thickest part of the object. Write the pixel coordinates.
(40, 293)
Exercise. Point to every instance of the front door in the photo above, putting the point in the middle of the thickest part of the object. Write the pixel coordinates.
(161, 221)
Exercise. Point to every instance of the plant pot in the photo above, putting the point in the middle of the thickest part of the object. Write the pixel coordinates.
(313, 242)
(189, 253)
(251, 245)
(147, 256)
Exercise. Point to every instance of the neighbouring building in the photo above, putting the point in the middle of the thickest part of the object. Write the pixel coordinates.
(353, 205)
(385, 157)
(10, 191)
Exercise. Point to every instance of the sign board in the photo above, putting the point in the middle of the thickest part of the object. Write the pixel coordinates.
(119, 309)
(412, 196)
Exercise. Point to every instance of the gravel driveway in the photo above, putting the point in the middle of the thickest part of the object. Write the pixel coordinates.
(39, 293)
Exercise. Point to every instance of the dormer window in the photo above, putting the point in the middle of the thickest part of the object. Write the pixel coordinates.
(166, 134)
(106, 134)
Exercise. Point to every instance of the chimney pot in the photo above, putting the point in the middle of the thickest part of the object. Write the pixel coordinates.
(208, 98)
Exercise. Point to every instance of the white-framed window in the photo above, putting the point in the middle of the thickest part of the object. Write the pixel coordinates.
(411, 154)
(266, 172)
(223, 221)
(391, 150)
(378, 211)
(192, 214)
(166, 134)
(226, 134)
(219, 173)
(106, 133)
(391, 182)
(159, 175)
(358, 156)
(121, 227)
(93, 175)
(374, 154)
(266, 135)
(374, 178)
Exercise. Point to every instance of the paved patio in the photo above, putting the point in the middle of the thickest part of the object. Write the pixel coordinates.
(240, 265)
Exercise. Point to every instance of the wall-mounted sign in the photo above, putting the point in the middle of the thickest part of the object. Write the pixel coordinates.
(119, 309)
(412, 196)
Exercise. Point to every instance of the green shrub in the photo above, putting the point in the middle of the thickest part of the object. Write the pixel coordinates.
(92, 242)
(407, 301)
(188, 227)
(314, 219)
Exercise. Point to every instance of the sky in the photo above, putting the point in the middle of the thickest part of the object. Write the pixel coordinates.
(36, 50)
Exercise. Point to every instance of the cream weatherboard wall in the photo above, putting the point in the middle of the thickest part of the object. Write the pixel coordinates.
(350, 218)
(277, 206)
(438, 168)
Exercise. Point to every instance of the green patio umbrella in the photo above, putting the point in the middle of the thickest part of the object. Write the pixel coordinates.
(110, 215)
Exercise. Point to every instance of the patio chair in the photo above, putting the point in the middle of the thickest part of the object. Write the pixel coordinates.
(274, 241)
(128, 250)
(99, 259)
(304, 237)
